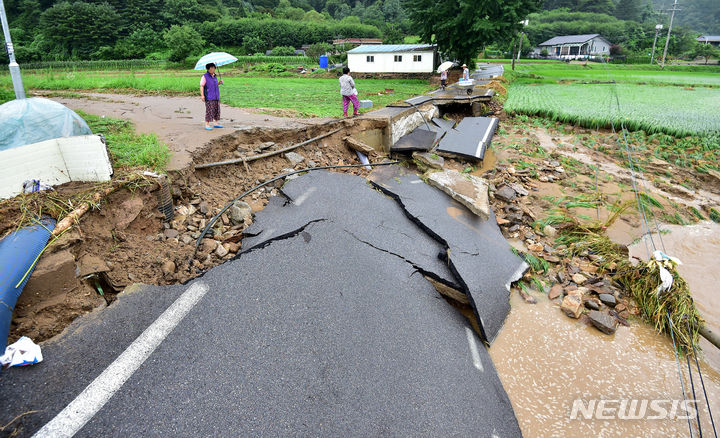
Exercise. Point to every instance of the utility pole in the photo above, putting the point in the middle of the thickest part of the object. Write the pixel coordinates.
(522, 34)
(658, 28)
(14, 67)
(667, 40)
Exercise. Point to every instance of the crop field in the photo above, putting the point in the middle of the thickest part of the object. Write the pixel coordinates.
(594, 72)
(307, 96)
(673, 110)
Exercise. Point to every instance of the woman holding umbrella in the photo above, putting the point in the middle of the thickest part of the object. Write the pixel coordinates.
(209, 85)
(210, 94)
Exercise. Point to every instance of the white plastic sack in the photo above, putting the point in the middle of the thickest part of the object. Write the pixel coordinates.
(23, 352)
(28, 121)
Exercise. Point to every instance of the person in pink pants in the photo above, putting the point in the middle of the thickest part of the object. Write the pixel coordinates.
(348, 92)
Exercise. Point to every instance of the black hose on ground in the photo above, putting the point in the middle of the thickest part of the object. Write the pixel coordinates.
(270, 181)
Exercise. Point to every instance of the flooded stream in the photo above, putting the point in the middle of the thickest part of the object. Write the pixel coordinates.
(546, 361)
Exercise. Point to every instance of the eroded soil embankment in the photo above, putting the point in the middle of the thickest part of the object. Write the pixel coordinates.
(125, 239)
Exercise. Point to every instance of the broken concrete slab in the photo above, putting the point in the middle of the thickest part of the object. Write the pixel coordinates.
(359, 210)
(358, 146)
(477, 252)
(418, 140)
(444, 124)
(470, 138)
(351, 343)
(430, 160)
(469, 190)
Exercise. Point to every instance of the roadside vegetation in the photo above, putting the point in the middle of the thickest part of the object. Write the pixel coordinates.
(126, 147)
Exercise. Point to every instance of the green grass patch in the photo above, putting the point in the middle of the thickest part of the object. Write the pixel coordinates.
(308, 96)
(127, 148)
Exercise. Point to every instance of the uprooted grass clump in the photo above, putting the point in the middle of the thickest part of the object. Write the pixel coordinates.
(672, 312)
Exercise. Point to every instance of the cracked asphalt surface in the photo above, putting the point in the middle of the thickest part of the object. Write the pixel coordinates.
(313, 331)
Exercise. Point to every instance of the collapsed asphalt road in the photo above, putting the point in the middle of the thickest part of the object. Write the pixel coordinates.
(326, 327)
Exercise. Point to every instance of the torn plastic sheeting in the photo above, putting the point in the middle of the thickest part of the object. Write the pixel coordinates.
(18, 253)
(363, 159)
(23, 352)
(54, 162)
(28, 121)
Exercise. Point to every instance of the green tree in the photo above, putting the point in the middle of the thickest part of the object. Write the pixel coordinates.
(314, 51)
(253, 44)
(597, 6)
(706, 51)
(187, 11)
(77, 29)
(313, 16)
(628, 10)
(461, 28)
(183, 41)
(393, 11)
(282, 51)
(138, 44)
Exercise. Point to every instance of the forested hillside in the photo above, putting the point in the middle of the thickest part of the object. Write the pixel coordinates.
(174, 29)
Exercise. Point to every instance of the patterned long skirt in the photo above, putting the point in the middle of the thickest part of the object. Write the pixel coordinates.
(212, 110)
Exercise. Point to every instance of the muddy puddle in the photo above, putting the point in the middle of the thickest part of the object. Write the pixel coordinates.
(546, 361)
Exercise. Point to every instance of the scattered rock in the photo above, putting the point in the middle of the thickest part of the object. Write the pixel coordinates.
(549, 231)
(506, 193)
(519, 190)
(579, 278)
(588, 268)
(239, 212)
(555, 291)
(603, 322)
(203, 208)
(572, 306)
(620, 307)
(468, 190)
(89, 264)
(128, 212)
(132, 278)
(208, 245)
(221, 251)
(311, 163)
(237, 154)
(168, 268)
(552, 259)
(535, 247)
(233, 247)
(266, 145)
(171, 233)
(294, 158)
(429, 159)
(186, 239)
(592, 304)
(501, 221)
(608, 300)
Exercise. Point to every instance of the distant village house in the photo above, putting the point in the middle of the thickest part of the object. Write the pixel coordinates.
(386, 58)
(713, 40)
(575, 46)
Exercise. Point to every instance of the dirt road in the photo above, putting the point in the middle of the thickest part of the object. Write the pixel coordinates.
(178, 121)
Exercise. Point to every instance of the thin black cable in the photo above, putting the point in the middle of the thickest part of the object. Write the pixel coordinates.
(702, 383)
(272, 180)
(692, 385)
(677, 361)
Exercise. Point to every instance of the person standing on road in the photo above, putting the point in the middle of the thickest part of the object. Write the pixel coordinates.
(210, 94)
(443, 79)
(348, 92)
(466, 73)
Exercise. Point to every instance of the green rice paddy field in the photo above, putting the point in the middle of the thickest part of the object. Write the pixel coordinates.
(679, 103)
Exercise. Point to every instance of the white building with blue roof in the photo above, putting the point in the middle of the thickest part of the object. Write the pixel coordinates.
(393, 58)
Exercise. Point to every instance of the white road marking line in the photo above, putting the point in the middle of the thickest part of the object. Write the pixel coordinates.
(81, 410)
(473, 349)
(302, 198)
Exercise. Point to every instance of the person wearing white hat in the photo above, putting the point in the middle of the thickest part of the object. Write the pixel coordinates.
(466, 73)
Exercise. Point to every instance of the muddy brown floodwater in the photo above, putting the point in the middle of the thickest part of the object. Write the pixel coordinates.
(546, 360)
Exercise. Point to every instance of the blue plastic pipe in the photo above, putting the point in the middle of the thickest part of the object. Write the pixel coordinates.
(18, 252)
